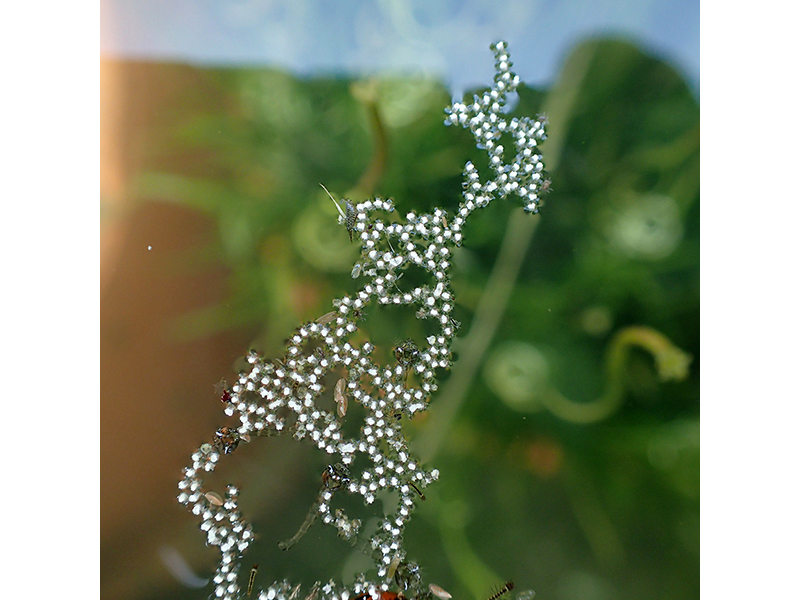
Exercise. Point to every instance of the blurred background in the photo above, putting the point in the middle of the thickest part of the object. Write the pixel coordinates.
(567, 433)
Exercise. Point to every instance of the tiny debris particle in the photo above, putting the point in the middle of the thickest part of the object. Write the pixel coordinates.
(326, 318)
(416, 489)
(507, 587)
(253, 572)
(393, 565)
(295, 591)
(214, 498)
(340, 397)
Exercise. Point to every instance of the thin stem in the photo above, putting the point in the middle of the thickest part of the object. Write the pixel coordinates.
(491, 307)
(488, 315)
(476, 575)
(559, 106)
(367, 93)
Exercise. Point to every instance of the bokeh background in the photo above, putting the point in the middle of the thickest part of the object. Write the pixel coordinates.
(569, 457)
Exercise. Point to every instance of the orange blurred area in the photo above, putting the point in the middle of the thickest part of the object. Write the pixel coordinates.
(545, 457)
(151, 377)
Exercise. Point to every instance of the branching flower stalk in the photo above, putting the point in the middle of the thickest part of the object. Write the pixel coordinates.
(282, 396)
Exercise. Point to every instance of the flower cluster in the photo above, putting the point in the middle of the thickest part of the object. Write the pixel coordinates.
(288, 395)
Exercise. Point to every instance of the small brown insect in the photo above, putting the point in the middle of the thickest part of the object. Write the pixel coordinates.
(545, 187)
(406, 574)
(407, 353)
(226, 439)
(335, 476)
(340, 397)
(252, 579)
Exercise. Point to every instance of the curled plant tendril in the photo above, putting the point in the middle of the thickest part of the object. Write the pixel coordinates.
(280, 396)
(672, 364)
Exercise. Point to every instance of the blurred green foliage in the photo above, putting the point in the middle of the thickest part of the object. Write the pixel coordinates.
(608, 509)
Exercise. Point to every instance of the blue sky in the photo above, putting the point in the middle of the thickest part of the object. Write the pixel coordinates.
(447, 39)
